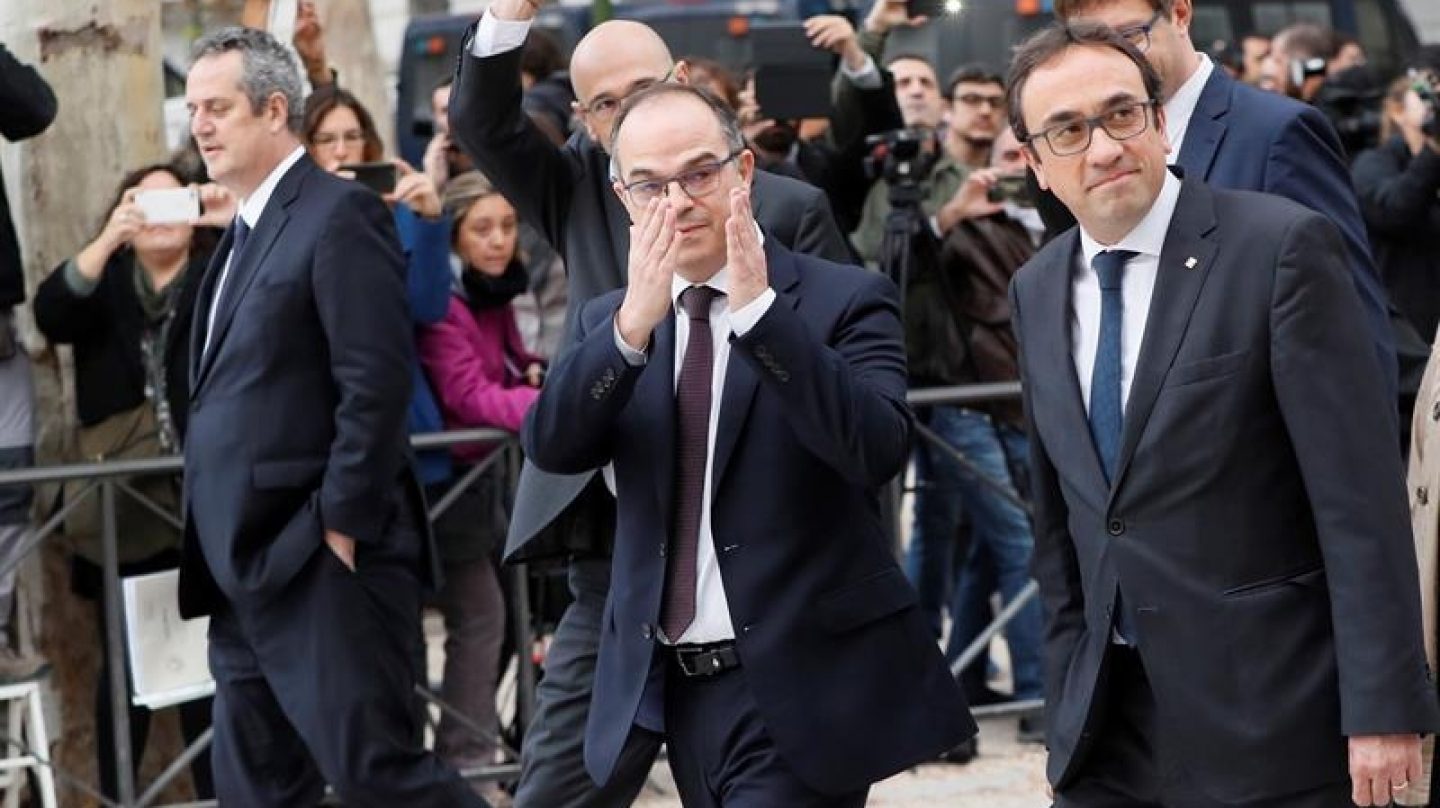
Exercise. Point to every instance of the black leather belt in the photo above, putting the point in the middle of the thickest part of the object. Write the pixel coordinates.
(708, 659)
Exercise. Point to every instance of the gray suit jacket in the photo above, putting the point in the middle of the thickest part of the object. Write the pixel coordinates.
(565, 192)
(1257, 520)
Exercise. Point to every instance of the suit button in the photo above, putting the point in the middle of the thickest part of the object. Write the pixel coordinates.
(1116, 527)
(745, 630)
(1422, 496)
(662, 549)
(647, 631)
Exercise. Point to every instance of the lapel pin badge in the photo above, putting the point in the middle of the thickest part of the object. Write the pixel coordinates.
(1190, 262)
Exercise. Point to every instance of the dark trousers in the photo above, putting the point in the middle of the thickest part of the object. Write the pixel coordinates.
(1126, 766)
(315, 686)
(552, 773)
(722, 755)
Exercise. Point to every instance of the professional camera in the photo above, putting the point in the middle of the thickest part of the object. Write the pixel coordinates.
(1352, 100)
(901, 157)
(1425, 85)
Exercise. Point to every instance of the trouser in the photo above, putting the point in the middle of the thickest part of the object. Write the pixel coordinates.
(552, 773)
(315, 686)
(474, 613)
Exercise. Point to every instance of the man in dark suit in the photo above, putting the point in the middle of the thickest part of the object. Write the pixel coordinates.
(1221, 534)
(305, 537)
(757, 620)
(1232, 135)
(565, 192)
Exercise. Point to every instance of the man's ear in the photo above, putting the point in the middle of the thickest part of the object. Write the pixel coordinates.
(680, 73)
(1181, 15)
(1032, 161)
(624, 198)
(1160, 127)
(745, 163)
(277, 109)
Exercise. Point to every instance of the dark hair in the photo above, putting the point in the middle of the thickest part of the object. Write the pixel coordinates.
(1050, 42)
(326, 99)
(973, 74)
(914, 57)
(540, 55)
(1308, 40)
(729, 123)
(266, 67)
(1065, 9)
(727, 86)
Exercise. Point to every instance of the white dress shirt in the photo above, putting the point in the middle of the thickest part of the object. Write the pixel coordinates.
(250, 210)
(1180, 109)
(712, 610)
(1137, 286)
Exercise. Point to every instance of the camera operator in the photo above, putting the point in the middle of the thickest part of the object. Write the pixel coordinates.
(1351, 98)
(957, 331)
(1299, 60)
(1398, 183)
(834, 159)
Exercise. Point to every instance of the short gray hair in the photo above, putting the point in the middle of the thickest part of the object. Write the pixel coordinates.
(729, 122)
(267, 68)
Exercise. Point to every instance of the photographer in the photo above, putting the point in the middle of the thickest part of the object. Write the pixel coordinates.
(124, 303)
(957, 332)
(1397, 183)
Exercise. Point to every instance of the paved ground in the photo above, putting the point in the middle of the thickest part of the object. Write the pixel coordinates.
(1006, 775)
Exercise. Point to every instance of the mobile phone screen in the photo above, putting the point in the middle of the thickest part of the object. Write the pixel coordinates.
(169, 205)
(378, 177)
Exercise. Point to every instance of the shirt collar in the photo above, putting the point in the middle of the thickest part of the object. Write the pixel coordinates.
(720, 281)
(1179, 108)
(1148, 236)
(252, 206)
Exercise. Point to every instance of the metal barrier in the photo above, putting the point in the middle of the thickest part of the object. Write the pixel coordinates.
(106, 479)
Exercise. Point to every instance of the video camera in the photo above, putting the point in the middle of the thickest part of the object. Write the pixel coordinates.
(1352, 101)
(901, 157)
(1425, 85)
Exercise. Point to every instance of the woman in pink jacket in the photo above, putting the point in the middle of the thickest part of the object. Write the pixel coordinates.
(482, 377)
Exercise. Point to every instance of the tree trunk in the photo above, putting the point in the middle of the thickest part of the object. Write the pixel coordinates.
(350, 46)
(103, 62)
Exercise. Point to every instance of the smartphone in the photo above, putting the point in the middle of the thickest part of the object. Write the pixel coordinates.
(792, 79)
(378, 177)
(1012, 188)
(169, 205)
(933, 9)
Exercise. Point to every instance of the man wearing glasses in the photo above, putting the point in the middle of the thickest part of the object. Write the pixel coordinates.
(751, 402)
(1232, 135)
(1222, 542)
(566, 193)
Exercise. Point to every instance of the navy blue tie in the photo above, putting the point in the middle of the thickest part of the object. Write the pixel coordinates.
(1106, 407)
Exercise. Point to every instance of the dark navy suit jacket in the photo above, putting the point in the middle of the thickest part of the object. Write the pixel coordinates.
(1250, 140)
(298, 410)
(1257, 521)
(846, 675)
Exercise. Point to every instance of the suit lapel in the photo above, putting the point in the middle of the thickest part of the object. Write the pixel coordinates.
(1184, 265)
(200, 321)
(1207, 126)
(242, 273)
(741, 380)
(656, 393)
(1055, 361)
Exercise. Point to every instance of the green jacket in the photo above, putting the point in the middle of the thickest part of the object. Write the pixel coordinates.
(938, 188)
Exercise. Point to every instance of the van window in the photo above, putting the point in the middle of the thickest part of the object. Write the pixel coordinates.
(1211, 24)
(1272, 16)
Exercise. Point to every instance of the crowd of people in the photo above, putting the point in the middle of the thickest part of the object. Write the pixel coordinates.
(566, 214)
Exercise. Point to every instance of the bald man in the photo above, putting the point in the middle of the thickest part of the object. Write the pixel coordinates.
(565, 192)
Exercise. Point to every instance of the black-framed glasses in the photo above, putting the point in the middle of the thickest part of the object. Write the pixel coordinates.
(1139, 35)
(1073, 135)
(976, 99)
(606, 106)
(695, 182)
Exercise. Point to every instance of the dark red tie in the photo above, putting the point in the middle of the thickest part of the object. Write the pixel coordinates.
(692, 439)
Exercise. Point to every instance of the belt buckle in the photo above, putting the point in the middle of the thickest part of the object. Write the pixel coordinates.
(700, 662)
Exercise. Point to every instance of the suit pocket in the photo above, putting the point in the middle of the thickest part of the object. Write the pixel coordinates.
(1313, 578)
(875, 596)
(1211, 367)
(297, 473)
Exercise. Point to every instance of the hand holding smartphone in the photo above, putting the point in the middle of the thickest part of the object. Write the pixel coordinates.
(378, 177)
(168, 205)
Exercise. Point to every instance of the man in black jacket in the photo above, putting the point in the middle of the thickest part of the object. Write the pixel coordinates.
(27, 106)
(566, 192)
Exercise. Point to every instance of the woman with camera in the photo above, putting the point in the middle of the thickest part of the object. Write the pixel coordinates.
(124, 304)
(1397, 184)
(484, 377)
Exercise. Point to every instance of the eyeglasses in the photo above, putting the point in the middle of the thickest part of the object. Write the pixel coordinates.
(323, 139)
(1073, 136)
(695, 182)
(977, 99)
(1139, 35)
(605, 106)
